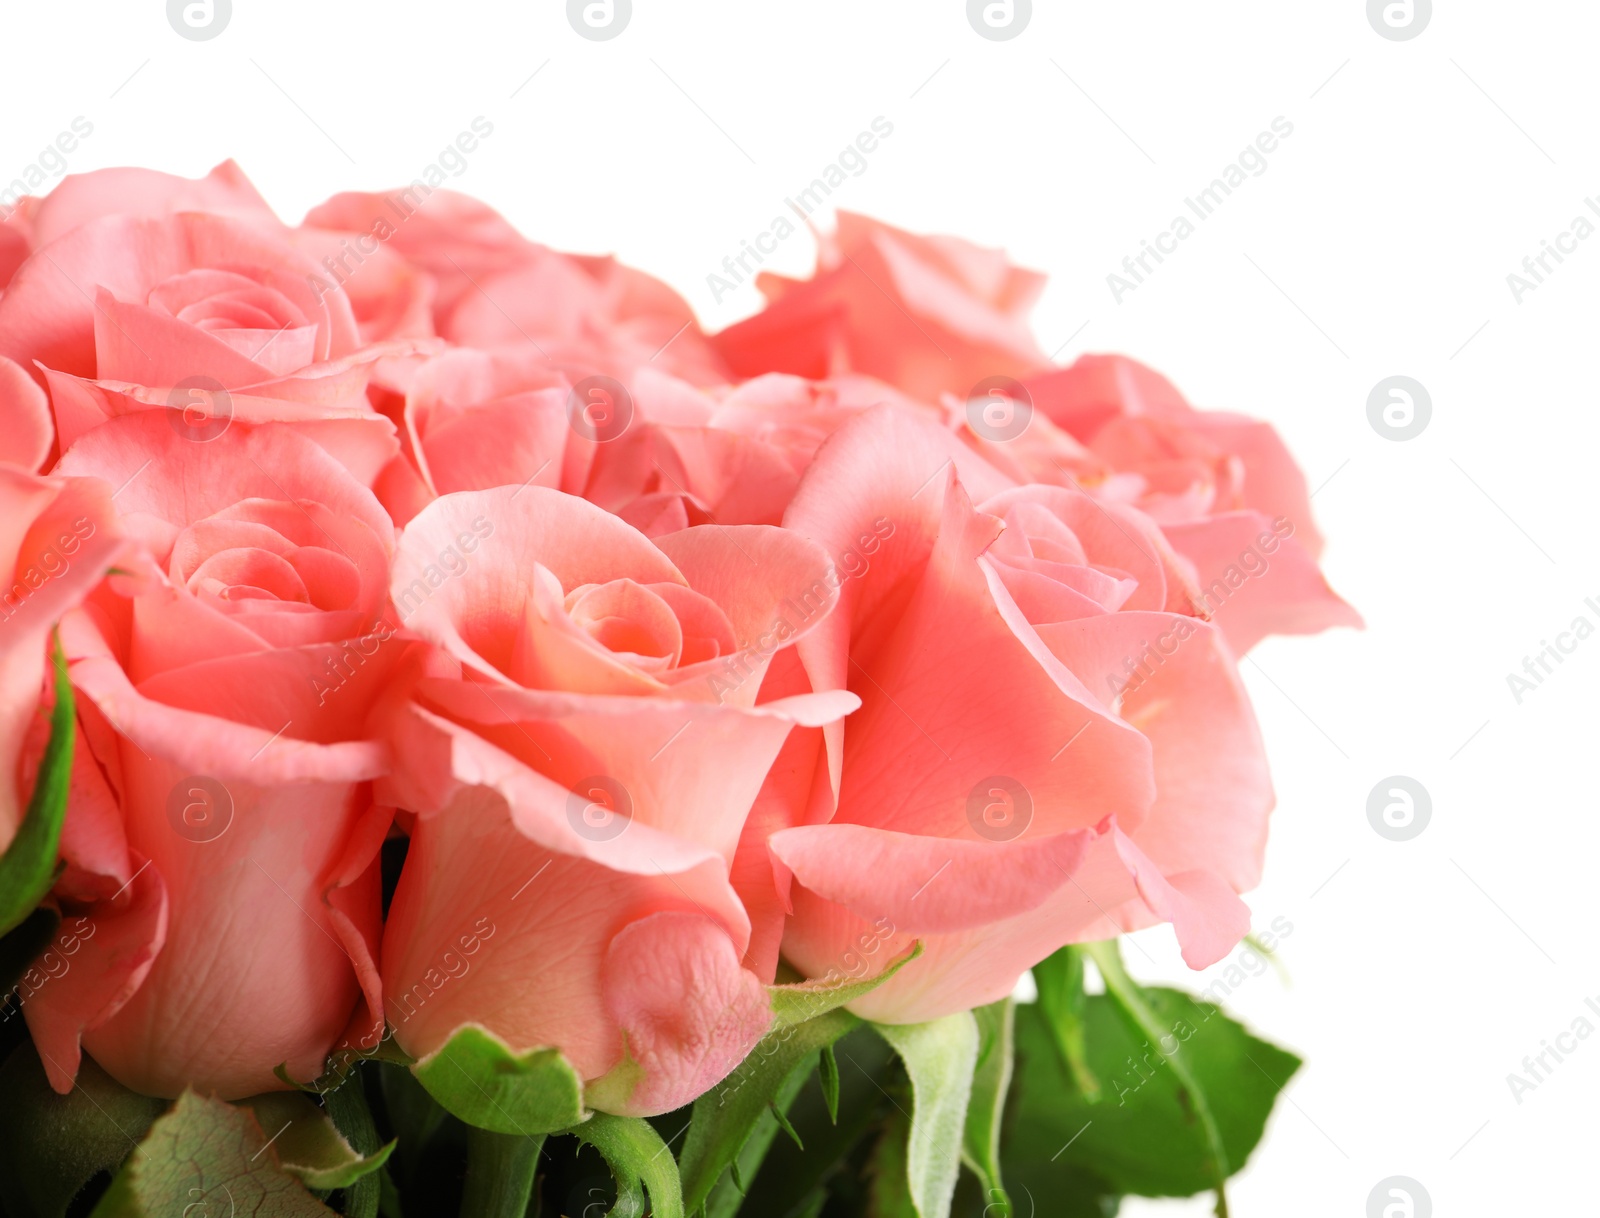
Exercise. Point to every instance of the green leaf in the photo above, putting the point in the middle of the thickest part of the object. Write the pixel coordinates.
(28, 867)
(52, 1145)
(1145, 1134)
(991, 1081)
(940, 1057)
(1144, 1020)
(639, 1161)
(307, 1144)
(1061, 1001)
(477, 1077)
(735, 1121)
(207, 1158)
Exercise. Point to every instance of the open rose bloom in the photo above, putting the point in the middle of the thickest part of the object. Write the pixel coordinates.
(461, 640)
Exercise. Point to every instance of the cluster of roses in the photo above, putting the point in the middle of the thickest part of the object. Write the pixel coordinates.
(668, 653)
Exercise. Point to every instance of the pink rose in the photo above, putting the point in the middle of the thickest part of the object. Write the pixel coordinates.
(82, 197)
(215, 321)
(222, 689)
(588, 316)
(1017, 777)
(584, 315)
(456, 240)
(728, 456)
(1223, 487)
(581, 746)
(929, 315)
(472, 420)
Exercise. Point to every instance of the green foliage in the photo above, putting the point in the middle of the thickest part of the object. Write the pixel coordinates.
(308, 1145)
(206, 1157)
(1184, 1094)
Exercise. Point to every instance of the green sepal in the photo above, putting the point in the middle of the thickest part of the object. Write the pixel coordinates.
(803, 1000)
(991, 1083)
(476, 1076)
(29, 866)
(940, 1056)
(735, 1121)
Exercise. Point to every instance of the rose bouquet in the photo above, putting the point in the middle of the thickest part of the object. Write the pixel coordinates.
(478, 743)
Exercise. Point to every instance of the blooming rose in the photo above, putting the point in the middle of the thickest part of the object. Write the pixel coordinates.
(217, 320)
(581, 746)
(1004, 788)
(1223, 487)
(222, 692)
(493, 287)
(472, 420)
(82, 197)
(733, 456)
(929, 315)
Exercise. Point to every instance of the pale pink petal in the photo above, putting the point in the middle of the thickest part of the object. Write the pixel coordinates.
(1256, 579)
(929, 885)
(27, 430)
(119, 940)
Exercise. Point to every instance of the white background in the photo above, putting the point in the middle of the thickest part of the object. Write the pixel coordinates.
(1378, 242)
